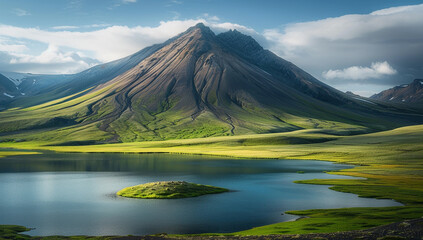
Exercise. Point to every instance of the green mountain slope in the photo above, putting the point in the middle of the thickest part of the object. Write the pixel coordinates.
(197, 85)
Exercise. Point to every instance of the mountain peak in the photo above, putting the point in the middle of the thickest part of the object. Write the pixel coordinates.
(418, 82)
(240, 42)
(200, 28)
(408, 93)
(200, 25)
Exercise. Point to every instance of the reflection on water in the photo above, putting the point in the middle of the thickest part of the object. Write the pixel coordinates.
(72, 194)
(151, 164)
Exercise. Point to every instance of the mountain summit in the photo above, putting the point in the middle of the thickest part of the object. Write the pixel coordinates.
(197, 84)
(406, 93)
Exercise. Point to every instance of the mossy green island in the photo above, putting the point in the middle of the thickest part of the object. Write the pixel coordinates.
(169, 190)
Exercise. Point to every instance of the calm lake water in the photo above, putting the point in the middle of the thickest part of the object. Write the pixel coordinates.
(72, 194)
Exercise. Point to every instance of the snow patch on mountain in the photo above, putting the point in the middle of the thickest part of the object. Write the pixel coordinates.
(8, 95)
(16, 78)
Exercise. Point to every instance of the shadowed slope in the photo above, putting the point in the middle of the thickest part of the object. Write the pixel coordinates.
(8, 91)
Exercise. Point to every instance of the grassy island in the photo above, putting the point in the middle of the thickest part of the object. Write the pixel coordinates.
(168, 190)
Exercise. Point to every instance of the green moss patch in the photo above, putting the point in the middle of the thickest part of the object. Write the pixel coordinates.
(168, 190)
(13, 232)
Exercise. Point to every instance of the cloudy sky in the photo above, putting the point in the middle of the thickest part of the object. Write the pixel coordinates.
(364, 46)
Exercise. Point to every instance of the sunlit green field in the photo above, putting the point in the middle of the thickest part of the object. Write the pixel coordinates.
(169, 190)
(390, 165)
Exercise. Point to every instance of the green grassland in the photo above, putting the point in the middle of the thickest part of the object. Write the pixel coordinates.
(169, 190)
(70, 122)
(13, 232)
(335, 220)
(389, 164)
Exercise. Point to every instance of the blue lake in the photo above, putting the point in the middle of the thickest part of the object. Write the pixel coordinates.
(74, 194)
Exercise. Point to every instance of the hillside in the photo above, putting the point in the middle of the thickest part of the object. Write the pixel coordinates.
(406, 93)
(25, 85)
(8, 91)
(194, 85)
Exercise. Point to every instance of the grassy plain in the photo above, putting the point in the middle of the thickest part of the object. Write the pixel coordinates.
(390, 165)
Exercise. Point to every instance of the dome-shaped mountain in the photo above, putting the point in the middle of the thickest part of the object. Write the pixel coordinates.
(198, 85)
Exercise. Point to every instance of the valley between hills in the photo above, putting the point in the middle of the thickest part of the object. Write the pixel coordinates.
(224, 95)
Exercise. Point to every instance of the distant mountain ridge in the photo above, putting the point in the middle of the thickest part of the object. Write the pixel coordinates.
(28, 84)
(8, 90)
(48, 87)
(196, 84)
(406, 93)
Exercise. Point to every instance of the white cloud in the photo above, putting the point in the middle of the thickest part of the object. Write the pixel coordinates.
(393, 10)
(96, 25)
(347, 27)
(14, 47)
(86, 48)
(106, 44)
(83, 26)
(117, 3)
(393, 34)
(52, 60)
(113, 42)
(51, 54)
(20, 12)
(214, 18)
(64, 27)
(376, 70)
(210, 18)
(171, 3)
(225, 26)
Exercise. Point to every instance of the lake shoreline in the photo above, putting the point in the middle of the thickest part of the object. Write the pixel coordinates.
(409, 229)
(241, 172)
(395, 165)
